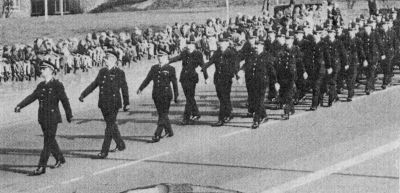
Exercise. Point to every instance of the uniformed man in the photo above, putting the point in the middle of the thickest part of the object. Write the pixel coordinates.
(316, 68)
(341, 38)
(162, 75)
(354, 50)
(371, 53)
(287, 75)
(389, 43)
(49, 93)
(111, 82)
(334, 56)
(272, 46)
(248, 53)
(226, 67)
(303, 45)
(258, 68)
(191, 59)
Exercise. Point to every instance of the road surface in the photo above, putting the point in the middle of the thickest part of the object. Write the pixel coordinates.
(348, 148)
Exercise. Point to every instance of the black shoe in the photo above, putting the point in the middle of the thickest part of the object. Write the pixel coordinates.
(218, 124)
(255, 125)
(249, 115)
(156, 139)
(38, 171)
(195, 118)
(336, 99)
(367, 92)
(58, 164)
(169, 134)
(296, 102)
(118, 149)
(102, 155)
(313, 108)
(285, 116)
(228, 119)
(186, 122)
(263, 120)
(349, 99)
(329, 104)
(384, 87)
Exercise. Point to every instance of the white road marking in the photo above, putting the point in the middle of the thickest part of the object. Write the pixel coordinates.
(129, 164)
(235, 133)
(291, 185)
(44, 188)
(72, 180)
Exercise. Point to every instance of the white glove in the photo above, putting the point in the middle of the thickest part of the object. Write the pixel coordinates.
(305, 75)
(365, 63)
(346, 67)
(277, 86)
(383, 57)
(330, 70)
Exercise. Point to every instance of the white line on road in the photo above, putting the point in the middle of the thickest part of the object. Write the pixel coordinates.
(44, 188)
(235, 133)
(129, 164)
(334, 168)
(72, 180)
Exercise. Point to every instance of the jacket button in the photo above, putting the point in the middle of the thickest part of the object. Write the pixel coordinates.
(52, 110)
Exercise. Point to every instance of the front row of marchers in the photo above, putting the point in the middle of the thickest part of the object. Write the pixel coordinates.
(290, 65)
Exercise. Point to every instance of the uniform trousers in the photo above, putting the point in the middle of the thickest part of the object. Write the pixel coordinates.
(162, 105)
(223, 88)
(112, 132)
(50, 145)
(191, 109)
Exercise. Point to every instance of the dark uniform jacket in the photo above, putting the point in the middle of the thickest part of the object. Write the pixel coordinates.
(272, 47)
(260, 67)
(304, 48)
(49, 94)
(286, 66)
(354, 50)
(314, 60)
(334, 55)
(162, 77)
(388, 42)
(110, 83)
(371, 46)
(190, 61)
(226, 65)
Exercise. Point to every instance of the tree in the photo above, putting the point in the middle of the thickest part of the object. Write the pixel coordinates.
(7, 8)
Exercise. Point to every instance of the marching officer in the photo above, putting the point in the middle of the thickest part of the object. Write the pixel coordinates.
(370, 56)
(389, 44)
(287, 75)
(334, 56)
(49, 93)
(316, 68)
(354, 50)
(302, 75)
(226, 67)
(191, 59)
(111, 82)
(248, 53)
(258, 68)
(162, 75)
(272, 46)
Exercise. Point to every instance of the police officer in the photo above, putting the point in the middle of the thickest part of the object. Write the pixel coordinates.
(191, 59)
(111, 81)
(273, 46)
(334, 56)
(287, 76)
(257, 74)
(354, 51)
(49, 92)
(370, 56)
(226, 67)
(389, 43)
(248, 53)
(162, 75)
(303, 45)
(316, 68)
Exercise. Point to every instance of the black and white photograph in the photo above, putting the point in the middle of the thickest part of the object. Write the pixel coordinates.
(199, 96)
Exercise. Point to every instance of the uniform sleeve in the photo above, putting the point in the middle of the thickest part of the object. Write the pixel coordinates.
(175, 59)
(29, 99)
(146, 80)
(124, 88)
(64, 100)
(174, 83)
(361, 52)
(91, 87)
